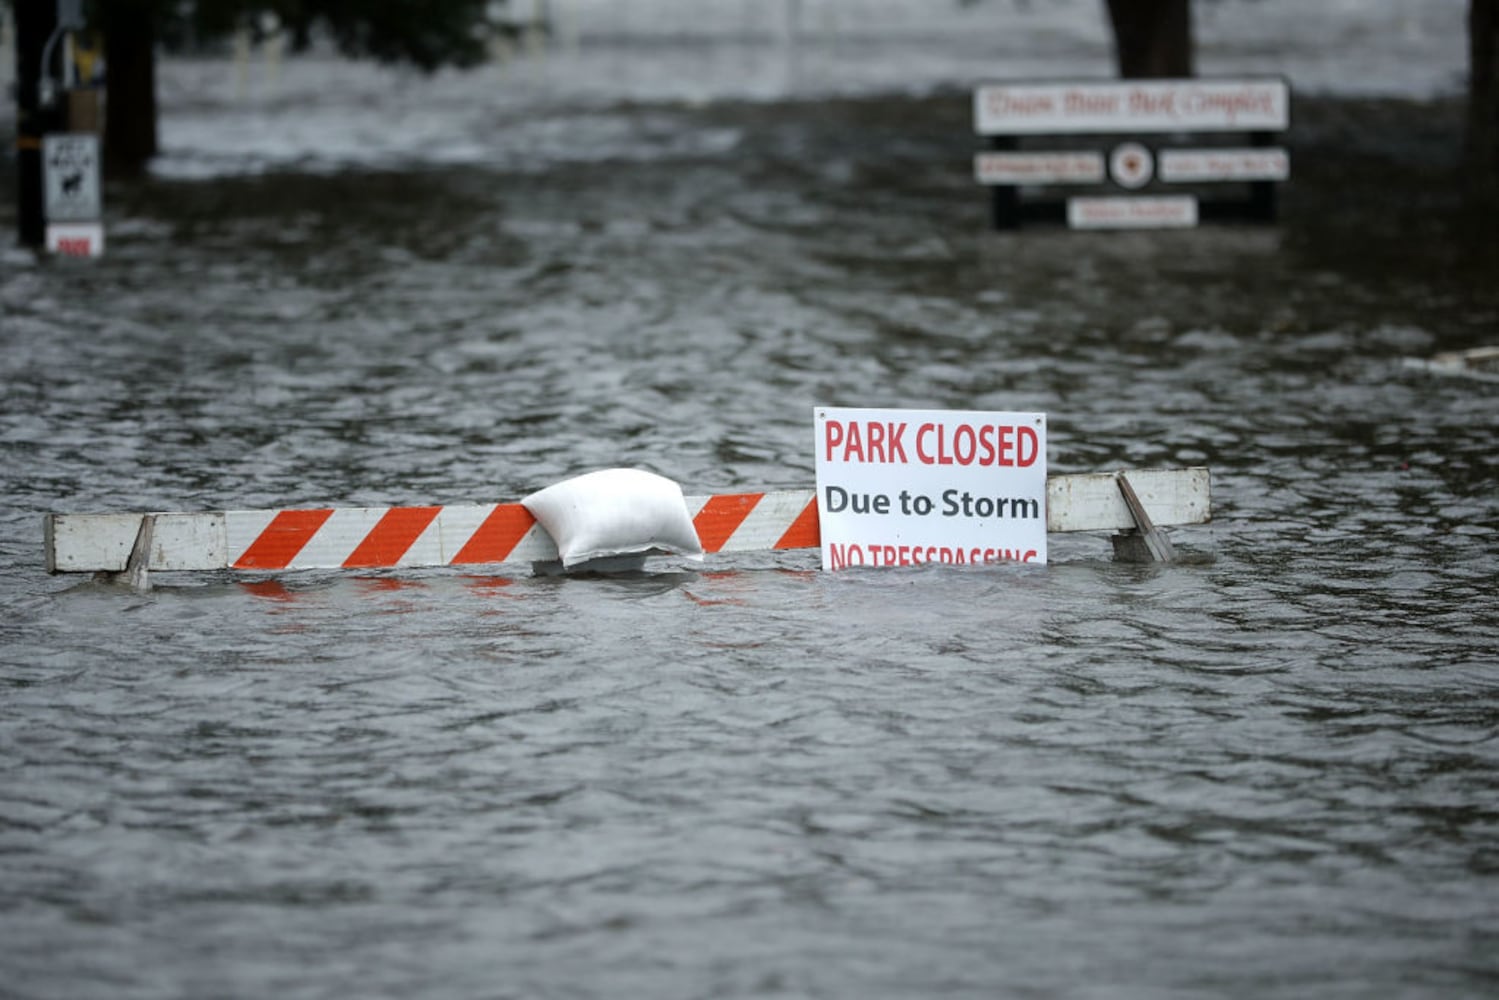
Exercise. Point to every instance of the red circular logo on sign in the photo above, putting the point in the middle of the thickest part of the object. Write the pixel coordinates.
(1131, 165)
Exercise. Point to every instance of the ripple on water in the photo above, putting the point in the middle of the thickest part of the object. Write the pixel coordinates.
(1265, 770)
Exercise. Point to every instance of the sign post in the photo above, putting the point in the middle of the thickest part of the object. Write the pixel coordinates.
(910, 487)
(70, 180)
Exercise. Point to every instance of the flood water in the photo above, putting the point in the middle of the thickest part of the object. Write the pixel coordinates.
(1268, 770)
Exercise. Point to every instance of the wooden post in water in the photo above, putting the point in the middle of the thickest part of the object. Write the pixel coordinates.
(1146, 543)
(1005, 207)
(1263, 200)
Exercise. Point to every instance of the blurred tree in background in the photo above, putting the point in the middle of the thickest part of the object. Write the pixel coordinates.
(1153, 38)
(129, 28)
(428, 34)
(1483, 94)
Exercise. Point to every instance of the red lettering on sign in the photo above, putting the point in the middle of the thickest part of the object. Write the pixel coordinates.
(1002, 102)
(1007, 445)
(1142, 102)
(1079, 102)
(871, 442)
(876, 434)
(832, 435)
(922, 455)
(841, 556)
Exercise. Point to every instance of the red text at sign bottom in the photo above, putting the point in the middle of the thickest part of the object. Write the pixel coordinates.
(844, 556)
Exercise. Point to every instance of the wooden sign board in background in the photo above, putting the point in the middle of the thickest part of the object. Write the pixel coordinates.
(1165, 212)
(1130, 183)
(1105, 108)
(1081, 167)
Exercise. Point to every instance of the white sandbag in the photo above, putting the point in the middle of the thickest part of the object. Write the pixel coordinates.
(615, 512)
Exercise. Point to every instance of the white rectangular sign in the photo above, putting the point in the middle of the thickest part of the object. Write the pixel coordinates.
(1133, 212)
(1254, 105)
(70, 172)
(1066, 167)
(75, 239)
(1188, 165)
(909, 487)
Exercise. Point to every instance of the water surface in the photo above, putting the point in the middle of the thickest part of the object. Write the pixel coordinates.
(1267, 771)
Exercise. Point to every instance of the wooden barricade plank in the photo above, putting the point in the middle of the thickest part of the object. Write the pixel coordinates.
(486, 534)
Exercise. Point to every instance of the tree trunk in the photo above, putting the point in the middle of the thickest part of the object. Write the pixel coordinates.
(34, 22)
(1483, 92)
(1152, 38)
(130, 114)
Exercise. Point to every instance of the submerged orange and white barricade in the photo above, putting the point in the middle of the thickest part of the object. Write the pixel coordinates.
(474, 535)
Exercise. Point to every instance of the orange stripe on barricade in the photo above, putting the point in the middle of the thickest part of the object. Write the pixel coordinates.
(498, 536)
(391, 536)
(286, 535)
(721, 516)
(805, 532)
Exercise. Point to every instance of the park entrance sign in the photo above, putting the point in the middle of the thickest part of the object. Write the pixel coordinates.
(1154, 170)
(909, 487)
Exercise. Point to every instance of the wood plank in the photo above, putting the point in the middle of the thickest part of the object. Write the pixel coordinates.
(1157, 545)
(1092, 501)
